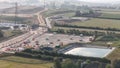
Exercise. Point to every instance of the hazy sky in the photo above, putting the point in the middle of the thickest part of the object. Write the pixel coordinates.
(98, 1)
(102, 1)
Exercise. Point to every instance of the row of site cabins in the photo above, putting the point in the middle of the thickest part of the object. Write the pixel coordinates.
(10, 26)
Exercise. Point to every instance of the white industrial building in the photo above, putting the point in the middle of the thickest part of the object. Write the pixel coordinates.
(14, 26)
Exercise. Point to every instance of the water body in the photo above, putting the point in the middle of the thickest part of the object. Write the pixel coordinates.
(90, 52)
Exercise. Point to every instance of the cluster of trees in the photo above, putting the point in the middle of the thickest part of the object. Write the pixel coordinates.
(115, 64)
(109, 38)
(35, 56)
(90, 13)
(1, 34)
(35, 26)
(75, 26)
(69, 63)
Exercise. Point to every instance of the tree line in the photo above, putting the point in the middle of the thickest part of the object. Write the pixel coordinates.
(86, 33)
(75, 26)
(69, 63)
(49, 55)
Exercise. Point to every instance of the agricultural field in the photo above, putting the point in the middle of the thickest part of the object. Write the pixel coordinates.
(115, 14)
(69, 14)
(111, 12)
(19, 62)
(55, 12)
(102, 23)
(111, 15)
(12, 18)
(21, 20)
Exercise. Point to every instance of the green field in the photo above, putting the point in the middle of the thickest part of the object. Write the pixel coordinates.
(111, 12)
(102, 23)
(12, 18)
(115, 54)
(55, 12)
(69, 14)
(19, 62)
(111, 15)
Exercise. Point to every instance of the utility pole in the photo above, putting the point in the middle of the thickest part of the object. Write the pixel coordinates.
(16, 12)
(44, 4)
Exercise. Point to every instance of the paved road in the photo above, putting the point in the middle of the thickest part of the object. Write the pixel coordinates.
(48, 22)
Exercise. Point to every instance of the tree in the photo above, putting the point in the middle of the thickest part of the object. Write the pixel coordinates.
(60, 31)
(116, 64)
(78, 13)
(57, 63)
(91, 12)
(78, 64)
(68, 63)
(88, 61)
(1, 34)
(108, 66)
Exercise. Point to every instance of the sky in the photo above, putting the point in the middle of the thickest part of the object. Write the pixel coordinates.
(95, 1)
(102, 1)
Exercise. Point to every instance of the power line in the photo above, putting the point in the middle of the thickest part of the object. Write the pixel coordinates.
(44, 4)
(16, 11)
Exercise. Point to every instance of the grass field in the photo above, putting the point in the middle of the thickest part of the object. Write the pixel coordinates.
(19, 62)
(111, 12)
(12, 18)
(95, 22)
(9, 33)
(115, 54)
(55, 12)
(111, 15)
(69, 14)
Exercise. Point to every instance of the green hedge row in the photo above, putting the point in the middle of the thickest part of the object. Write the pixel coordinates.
(49, 55)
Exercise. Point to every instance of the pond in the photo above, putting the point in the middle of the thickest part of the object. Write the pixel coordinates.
(90, 52)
